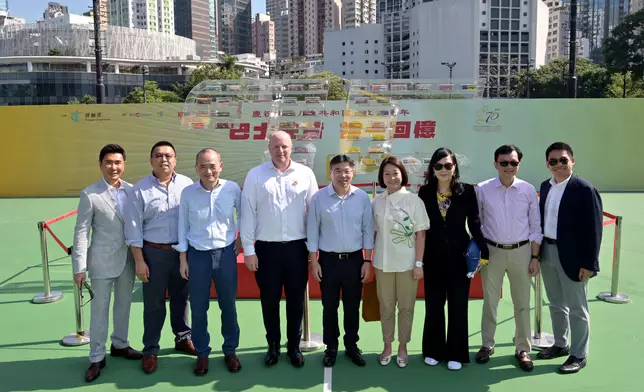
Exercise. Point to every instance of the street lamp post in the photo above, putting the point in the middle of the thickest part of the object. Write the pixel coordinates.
(100, 87)
(146, 71)
(528, 87)
(450, 66)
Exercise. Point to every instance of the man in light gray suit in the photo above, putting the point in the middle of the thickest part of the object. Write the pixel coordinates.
(107, 260)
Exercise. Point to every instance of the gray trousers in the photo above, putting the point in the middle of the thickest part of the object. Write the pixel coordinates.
(568, 304)
(100, 311)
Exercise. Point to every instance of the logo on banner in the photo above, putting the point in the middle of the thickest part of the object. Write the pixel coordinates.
(488, 120)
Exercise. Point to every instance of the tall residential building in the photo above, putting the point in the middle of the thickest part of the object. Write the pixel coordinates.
(4, 6)
(151, 15)
(307, 23)
(263, 35)
(558, 44)
(278, 10)
(235, 35)
(356, 53)
(102, 10)
(358, 12)
(394, 15)
(333, 15)
(55, 10)
(192, 20)
(636, 5)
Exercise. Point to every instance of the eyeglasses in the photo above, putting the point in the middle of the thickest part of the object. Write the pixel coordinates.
(89, 290)
(506, 163)
(553, 162)
(440, 166)
(167, 156)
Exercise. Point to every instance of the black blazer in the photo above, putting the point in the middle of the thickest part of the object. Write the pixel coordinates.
(448, 238)
(579, 225)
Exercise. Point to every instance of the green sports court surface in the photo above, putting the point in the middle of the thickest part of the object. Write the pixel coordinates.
(31, 358)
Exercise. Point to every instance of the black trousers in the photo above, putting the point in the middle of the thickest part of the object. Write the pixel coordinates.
(282, 265)
(341, 275)
(446, 281)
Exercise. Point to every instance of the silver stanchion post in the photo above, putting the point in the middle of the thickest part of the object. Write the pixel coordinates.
(48, 296)
(310, 341)
(375, 190)
(80, 337)
(613, 296)
(540, 340)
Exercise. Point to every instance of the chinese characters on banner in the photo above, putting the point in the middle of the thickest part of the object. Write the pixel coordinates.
(243, 131)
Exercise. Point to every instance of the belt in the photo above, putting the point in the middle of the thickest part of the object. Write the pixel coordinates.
(550, 241)
(160, 246)
(507, 246)
(341, 256)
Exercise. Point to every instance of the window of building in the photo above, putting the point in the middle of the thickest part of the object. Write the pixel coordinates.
(516, 3)
(505, 3)
(494, 25)
(376, 71)
(505, 13)
(515, 25)
(495, 12)
(366, 71)
(343, 53)
(376, 61)
(366, 51)
(366, 41)
(366, 61)
(343, 43)
(505, 25)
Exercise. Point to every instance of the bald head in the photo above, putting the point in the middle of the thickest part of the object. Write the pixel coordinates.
(280, 146)
(209, 167)
(207, 150)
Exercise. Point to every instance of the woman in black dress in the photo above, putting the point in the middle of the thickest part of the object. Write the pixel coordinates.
(449, 204)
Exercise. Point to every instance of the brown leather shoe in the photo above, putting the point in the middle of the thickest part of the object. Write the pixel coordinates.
(185, 346)
(524, 361)
(484, 354)
(94, 370)
(232, 363)
(149, 363)
(201, 367)
(127, 352)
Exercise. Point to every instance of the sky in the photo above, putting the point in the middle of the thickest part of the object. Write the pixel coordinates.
(32, 10)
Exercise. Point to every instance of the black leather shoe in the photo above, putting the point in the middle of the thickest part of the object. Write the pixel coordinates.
(329, 357)
(572, 365)
(356, 357)
(94, 370)
(297, 359)
(272, 355)
(553, 352)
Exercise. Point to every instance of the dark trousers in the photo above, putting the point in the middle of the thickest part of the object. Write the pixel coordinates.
(447, 280)
(341, 275)
(164, 275)
(282, 265)
(219, 265)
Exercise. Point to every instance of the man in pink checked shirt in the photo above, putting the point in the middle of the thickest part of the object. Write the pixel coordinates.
(511, 224)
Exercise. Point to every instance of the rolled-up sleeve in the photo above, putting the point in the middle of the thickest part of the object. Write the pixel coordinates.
(134, 220)
(421, 219)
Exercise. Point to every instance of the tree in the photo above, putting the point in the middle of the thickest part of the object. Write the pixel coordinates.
(154, 94)
(86, 100)
(227, 70)
(624, 49)
(550, 81)
(634, 88)
(337, 91)
(54, 52)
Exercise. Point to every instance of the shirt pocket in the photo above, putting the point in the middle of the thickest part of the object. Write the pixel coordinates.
(225, 209)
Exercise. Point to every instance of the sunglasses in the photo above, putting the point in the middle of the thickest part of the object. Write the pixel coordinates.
(89, 290)
(506, 163)
(553, 162)
(440, 166)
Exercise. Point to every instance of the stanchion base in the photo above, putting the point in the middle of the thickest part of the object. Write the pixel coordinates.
(74, 339)
(43, 298)
(545, 341)
(614, 299)
(313, 344)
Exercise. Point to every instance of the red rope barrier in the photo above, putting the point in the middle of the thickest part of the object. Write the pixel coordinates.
(65, 248)
(609, 222)
(59, 218)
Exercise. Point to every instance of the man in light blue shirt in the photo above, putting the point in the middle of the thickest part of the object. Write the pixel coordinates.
(208, 248)
(340, 226)
(151, 228)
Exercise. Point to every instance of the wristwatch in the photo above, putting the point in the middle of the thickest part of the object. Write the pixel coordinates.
(419, 264)
(536, 257)
(366, 261)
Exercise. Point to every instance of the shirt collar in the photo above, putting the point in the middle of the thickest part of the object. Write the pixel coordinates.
(112, 187)
(396, 196)
(331, 190)
(562, 184)
(156, 180)
(498, 183)
(220, 184)
(291, 167)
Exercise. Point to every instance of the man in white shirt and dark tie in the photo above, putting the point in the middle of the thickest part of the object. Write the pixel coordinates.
(275, 201)
(572, 220)
(208, 248)
(340, 226)
(510, 221)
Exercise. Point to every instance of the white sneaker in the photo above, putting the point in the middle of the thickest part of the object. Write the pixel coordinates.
(453, 365)
(431, 361)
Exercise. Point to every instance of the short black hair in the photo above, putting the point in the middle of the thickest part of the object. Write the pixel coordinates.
(559, 146)
(338, 159)
(396, 162)
(111, 149)
(162, 143)
(507, 149)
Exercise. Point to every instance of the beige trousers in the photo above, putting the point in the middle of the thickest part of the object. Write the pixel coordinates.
(396, 288)
(515, 262)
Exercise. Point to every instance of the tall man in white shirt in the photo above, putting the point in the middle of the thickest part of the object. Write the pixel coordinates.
(340, 226)
(108, 261)
(572, 221)
(208, 246)
(510, 222)
(275, 202)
